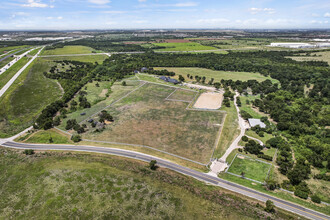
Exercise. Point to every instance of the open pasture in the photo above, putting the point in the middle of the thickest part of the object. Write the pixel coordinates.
(249, 168)
(187, 46)
(68, 50)
(216, 75)
(145, 117)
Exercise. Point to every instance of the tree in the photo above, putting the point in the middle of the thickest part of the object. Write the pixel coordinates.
(50, 140)
(28, 152)
(245, 139)
(181, 78)
(270, 207)
(76, 138)
(243, 174)
(57, 121)
(152, 165)
(316, 199)
(124, 83)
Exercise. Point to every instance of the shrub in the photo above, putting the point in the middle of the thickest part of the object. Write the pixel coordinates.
(316, 199)
(28, 152)
(301, 194)
(152, 165)
(270, 207)
(76, 138)
(245, 139)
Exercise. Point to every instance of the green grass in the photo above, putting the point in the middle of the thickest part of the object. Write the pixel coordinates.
(255, 135)
(34, 52)
(253, 169)
(9, 73)
(86, 58)
(190, 46)
(230, 130)
(6, 49)
(6, 61)
(43, 137)
(68, 50)
(277, 193)
(217, 75)
(182, 94)
(88, 186)
(145, 118)
(320, 56)
(24, 100)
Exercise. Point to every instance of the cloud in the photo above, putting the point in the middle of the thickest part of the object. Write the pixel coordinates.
(99, 2)
(186, 4)
(212, 21)
(140, 21)
(114, 12)
(20, 14)
(318, 22)
(142, 0)
(265, 10)
(327, 15)
(54, 18)
(36, 4)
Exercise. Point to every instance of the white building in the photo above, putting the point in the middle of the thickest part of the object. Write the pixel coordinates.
(254, 122)
(292, 45)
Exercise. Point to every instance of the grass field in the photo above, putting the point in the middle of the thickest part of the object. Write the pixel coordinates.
(252, 169)
(320, 56)
(217, 75)
(6, 49)
(6, 61)
(189, 46)
(26, 97)
(68, 50)
(87, 58)
(182, 94)
(89, 186)
(145, 118)
(9, 73)
(44, 136)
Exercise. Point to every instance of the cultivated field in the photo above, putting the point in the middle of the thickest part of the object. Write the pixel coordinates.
(216, 75)
(146, 118)
(251, 168)
(68, 50)
(188, 46)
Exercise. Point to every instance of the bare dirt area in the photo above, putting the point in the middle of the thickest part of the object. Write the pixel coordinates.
(209, 100)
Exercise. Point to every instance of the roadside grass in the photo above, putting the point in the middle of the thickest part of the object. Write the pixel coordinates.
(189, 46)
(93, 92)
(87, 58)
(277, 193)
(320, 188)
(216, 75)
(68, 50)
(26, 98)
(62, 185)
(230, 130)
(145, 118)
(10, 48)
(6, 61)
(44, 136)
(34, 52)
(252, 168)
(9, 73)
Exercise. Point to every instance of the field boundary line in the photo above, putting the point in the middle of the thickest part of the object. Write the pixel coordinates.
(171, 94)
(231, 163)
(145, 146)
(177, 100)
(245, 177)
(217, 140)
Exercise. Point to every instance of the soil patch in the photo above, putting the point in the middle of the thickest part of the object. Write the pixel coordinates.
(209, 100)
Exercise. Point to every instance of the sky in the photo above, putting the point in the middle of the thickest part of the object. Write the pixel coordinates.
(163, 14)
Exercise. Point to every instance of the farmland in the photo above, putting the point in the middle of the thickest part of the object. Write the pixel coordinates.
(216, 75)
(87, 58)
(188, 46)
(145, 118)
(318, 56)
(68, 50)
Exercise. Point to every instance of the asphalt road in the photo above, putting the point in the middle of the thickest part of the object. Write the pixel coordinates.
(292, 207)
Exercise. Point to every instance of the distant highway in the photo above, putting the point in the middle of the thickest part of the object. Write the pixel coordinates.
(289, 206)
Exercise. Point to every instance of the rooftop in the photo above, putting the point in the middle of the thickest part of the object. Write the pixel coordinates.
(254, 122)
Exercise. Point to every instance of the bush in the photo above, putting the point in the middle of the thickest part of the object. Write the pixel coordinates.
(270, 207)
(316, 199)
(76, 138)
(266, 157)
(152, 164)
(28, 152)
(301, 194)
(245, 139)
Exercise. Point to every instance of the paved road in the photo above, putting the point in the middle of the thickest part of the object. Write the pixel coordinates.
(12, 80)
(184, 170)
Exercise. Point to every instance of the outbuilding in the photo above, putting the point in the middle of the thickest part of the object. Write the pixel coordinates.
(254, 122)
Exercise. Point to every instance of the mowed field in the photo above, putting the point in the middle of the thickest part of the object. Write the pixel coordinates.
(217, 75)
(144, 117)
(319, 56)
(26, 97)
(251, 168)
(68, 50)
(188, 46)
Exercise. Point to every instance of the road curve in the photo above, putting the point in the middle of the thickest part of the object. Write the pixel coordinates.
(289, 206)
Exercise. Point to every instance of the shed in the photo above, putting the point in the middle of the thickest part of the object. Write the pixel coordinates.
(254, 122)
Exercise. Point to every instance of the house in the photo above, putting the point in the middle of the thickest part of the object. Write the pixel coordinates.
(144, 69)
(136, 71)
(168, 79)
(254, 122)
